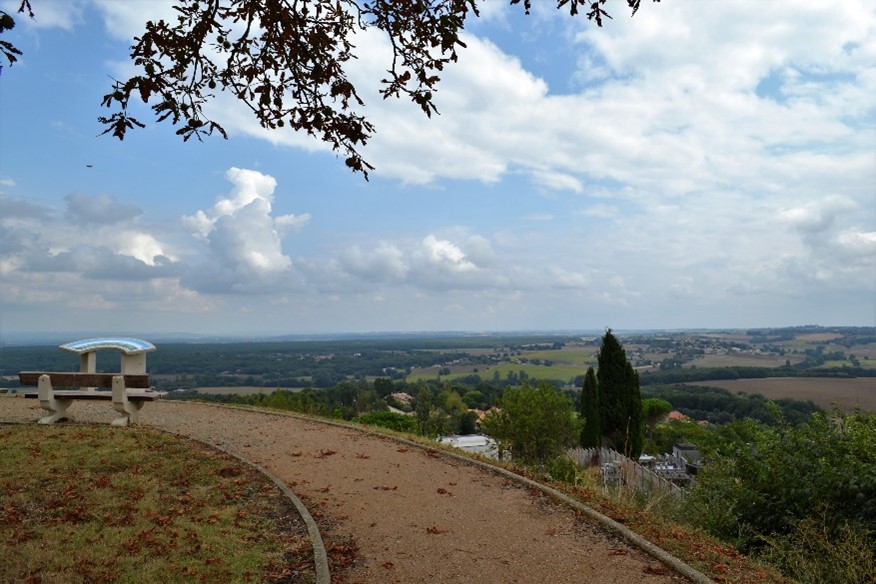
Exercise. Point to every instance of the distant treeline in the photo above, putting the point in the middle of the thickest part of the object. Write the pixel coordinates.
(694, 374)
(287, 364)
(720, 406)
(350, 399)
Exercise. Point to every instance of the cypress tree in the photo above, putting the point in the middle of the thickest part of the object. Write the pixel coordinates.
(620, 399)
(591, 434)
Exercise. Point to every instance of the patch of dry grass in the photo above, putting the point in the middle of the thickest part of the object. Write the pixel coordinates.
(649, 516)
(101, 504)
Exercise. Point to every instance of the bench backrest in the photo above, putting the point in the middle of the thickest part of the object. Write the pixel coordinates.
(64, 379)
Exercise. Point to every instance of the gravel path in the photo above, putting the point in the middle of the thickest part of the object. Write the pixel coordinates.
(414, 516)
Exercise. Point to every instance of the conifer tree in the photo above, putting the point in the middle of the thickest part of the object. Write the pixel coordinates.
(591, 435)
(620, 399)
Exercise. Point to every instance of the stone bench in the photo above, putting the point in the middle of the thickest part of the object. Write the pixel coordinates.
(56, 401)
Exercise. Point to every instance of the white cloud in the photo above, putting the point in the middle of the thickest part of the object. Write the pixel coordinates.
(243, 238)
(817, 216)
(65, 15)
(429, 265)
(100, 209)
(709, 167)
(125, 20)
(565, 279)
(444, 255)
(141, 246)
(385, 263)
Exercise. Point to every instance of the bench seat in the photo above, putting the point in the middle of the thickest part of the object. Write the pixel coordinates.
(99, 395)
(76, 379)
(127, 403)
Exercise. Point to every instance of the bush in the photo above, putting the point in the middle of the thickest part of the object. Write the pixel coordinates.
(390, 420)
(535, 424)
(823, 470)
(812, 554)
(564, 470)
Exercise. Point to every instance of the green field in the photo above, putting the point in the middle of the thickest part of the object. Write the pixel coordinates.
(575, 357)
(746, 360)
(563, 373)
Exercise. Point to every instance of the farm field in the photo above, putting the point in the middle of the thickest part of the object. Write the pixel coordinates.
(560, 372)
(242, 390)
(746, 360)
(846, 393)
(582, 357)
(538, 371)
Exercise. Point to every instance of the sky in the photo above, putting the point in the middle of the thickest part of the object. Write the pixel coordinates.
(700, 165)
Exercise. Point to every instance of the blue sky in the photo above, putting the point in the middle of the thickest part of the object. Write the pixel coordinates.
(699, 165)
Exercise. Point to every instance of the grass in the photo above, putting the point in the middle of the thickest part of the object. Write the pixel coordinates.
(560, 372)
(745, 360)
(650, 515)
(576, 357)
(100, 504)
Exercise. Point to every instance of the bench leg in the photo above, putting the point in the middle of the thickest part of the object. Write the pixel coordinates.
(130, 410)
(56, 407)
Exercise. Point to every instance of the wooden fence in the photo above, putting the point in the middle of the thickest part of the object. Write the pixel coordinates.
(618, 469)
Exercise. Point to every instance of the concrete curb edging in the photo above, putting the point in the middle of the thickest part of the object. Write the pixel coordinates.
(609, 523)
(320, 557)
(628, 534)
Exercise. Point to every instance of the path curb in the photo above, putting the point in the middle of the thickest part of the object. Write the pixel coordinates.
(628, 534)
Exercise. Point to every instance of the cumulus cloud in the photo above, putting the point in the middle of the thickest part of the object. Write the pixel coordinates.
(15, 210)
(708, 156)
(125, 20)
(705, 121)
(383, 264)
(100, 209)
(243, 238)
(430, 264)
(102, 260)
(444, 255)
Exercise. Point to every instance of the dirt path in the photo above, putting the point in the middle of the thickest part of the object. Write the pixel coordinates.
(415, 517)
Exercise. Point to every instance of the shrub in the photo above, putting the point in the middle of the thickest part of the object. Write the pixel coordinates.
(812, 553)
(535, 424)
(563, 469)
(390, 420)
(769, 487)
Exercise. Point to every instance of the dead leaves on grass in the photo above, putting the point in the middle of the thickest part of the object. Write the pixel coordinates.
(104, 488)
(657, 569)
